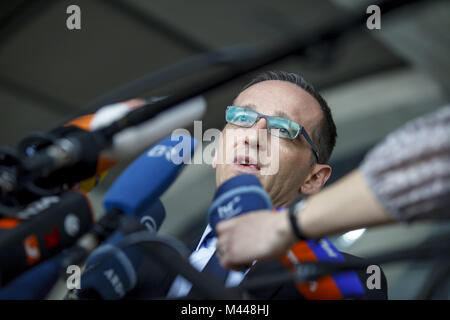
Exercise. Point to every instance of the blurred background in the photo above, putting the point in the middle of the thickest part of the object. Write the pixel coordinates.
(373, 80)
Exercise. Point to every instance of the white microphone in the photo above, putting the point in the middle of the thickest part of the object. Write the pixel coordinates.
(134, 140)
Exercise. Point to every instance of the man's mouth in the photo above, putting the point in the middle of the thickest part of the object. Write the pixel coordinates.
(246, 164)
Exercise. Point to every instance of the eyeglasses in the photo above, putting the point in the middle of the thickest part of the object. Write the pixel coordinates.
(287, 129)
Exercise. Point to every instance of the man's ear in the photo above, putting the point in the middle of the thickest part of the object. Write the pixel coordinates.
(316, 179)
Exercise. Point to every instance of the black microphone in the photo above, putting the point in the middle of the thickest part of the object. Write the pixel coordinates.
(45, 228)
(77, 152)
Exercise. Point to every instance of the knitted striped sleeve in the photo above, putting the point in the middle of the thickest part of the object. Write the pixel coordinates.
(409, 171)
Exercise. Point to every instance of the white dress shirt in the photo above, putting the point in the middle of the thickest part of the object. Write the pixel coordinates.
(199, 259)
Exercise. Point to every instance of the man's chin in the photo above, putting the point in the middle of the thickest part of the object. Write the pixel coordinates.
(232, 171)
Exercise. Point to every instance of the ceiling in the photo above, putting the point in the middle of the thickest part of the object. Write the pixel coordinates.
(48, 73)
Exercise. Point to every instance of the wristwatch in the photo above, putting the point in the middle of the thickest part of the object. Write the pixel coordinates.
(294, 209)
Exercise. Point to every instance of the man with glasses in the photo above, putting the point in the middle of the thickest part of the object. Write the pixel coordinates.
(294, 114)
(291, 113)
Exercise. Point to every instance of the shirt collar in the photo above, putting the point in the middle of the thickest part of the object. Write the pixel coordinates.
(207, 231)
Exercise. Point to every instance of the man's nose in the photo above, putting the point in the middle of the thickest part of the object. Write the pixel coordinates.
(260, 124)
(252, 138)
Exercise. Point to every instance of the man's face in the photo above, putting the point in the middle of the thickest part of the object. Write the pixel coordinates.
(271, 98)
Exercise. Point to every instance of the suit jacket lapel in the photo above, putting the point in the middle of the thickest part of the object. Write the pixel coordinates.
(276, 291)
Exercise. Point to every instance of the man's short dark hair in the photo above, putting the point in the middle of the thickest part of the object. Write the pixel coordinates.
(324, 135)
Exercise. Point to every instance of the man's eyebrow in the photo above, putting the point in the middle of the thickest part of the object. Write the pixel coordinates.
(278, 113)
(250, 106)
(281, 113)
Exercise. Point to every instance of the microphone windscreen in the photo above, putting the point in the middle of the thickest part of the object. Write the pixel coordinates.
(153, 217)
(134, 140)
(34, 284)
(49, 225)
(238, 195)
(150, 175)
(111, 272)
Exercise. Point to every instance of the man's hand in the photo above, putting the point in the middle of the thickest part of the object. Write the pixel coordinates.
(258, 235)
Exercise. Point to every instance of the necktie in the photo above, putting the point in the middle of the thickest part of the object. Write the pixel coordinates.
(214, 268)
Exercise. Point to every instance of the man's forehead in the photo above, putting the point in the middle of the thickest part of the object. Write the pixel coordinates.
(281, 98)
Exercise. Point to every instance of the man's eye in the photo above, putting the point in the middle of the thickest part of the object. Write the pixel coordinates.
(242, 118)
(284, 132)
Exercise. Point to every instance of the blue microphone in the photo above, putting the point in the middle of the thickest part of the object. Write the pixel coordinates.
(149, 175)
(143, 182)
(238, 195)
(111, 271)
(35, 283)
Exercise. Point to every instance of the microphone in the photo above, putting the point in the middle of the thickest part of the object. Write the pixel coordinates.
(149, 175)
(42, 230)
(136, 139)
(118, 273)
(336, 286)
(37, 282)
(244, 193)
(91, 144)
(135, 190)
(34, 284)
(147, 178)
(236, 196)
(111, 271)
